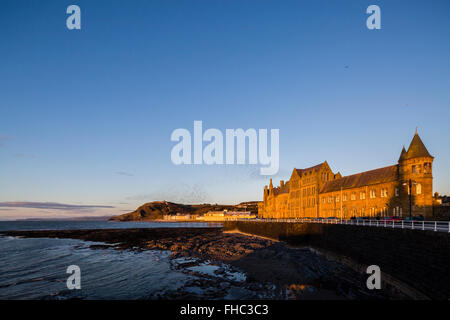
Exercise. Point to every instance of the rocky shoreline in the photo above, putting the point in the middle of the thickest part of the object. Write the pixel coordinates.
(227, 265)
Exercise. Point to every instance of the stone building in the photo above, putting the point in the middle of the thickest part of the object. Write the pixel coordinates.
(319, 192)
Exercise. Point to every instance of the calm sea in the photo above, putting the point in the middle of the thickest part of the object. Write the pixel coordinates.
(36, 268)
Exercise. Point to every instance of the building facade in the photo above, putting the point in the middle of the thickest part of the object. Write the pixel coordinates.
(319, 192)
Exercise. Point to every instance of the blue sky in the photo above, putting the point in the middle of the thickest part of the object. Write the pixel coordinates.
(86, 115)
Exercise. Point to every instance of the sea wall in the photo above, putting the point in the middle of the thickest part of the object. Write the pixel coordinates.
(420, 259)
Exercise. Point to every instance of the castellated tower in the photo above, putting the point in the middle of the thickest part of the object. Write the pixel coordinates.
(415, 166)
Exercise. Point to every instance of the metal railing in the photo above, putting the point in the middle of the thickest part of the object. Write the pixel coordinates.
(441, 226)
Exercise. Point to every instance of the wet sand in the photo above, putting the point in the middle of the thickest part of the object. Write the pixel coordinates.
(234, 265)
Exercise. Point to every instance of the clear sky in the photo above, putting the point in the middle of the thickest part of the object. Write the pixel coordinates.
(86, 115)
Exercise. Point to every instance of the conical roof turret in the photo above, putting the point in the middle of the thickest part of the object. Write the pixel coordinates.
(402, 154)
(417, 149)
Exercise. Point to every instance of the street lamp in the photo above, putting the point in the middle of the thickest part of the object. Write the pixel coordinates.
(410, 182)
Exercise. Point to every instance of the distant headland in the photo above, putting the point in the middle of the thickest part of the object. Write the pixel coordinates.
(165, 210)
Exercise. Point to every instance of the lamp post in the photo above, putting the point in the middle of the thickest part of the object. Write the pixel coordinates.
(410, 182)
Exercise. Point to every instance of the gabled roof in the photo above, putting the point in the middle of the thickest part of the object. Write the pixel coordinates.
(381, 175)
(314, 168)
(417, 149)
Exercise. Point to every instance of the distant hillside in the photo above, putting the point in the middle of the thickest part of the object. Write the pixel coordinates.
(157, 209)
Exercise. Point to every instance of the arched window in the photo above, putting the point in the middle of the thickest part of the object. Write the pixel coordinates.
(418, 188)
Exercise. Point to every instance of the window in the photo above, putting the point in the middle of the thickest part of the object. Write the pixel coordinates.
(330, 199)
(373, 194)
(353, 196)
(419, 189)
(384, 193)
(396, 192)
(362, 195)
(337, 198)
(413, 169)
(427, 167)
(344, 197)
(396, 211)
(323, 199)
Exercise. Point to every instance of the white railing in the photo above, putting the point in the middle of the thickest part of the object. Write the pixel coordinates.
(441, 226)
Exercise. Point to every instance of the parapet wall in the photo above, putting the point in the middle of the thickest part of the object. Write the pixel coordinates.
(420, 259)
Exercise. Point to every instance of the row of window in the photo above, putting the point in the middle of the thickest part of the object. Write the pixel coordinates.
(373, 211)
(305, 192)
(417, 168)
(310, 202)
(325, 176)
(372, 194)
(295, 184)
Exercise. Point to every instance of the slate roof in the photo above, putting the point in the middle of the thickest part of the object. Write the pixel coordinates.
(381, 175)
(314, 168)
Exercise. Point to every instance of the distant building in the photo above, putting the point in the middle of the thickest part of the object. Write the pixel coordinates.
(226, 215)
(441, 200)
(179, 217)
(318, 192)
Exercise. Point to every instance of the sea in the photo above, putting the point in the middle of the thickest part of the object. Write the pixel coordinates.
(37, 268)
